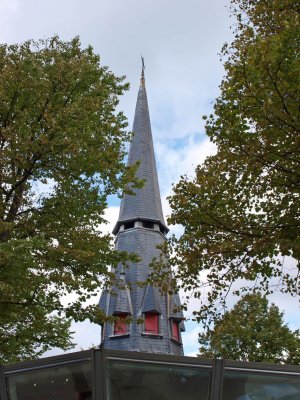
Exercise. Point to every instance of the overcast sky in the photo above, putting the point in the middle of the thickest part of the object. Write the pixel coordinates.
(180, 41)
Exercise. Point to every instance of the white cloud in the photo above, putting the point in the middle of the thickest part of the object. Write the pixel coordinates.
(8, 10)
(190, 339)
(86, 335)
(182, 159)
(111, 216)
(9, 6)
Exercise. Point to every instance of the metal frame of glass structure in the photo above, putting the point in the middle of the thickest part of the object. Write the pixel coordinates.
(112, 375)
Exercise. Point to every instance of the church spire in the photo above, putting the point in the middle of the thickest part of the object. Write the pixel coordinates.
(145, 204)
(144, 318)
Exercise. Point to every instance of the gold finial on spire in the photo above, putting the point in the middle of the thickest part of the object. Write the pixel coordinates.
(143, 73)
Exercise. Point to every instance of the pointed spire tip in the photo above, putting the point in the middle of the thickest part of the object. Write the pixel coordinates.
(142, 84)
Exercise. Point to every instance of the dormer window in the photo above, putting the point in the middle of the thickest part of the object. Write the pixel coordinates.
(121, 326)
(175, 330)
(151, 323)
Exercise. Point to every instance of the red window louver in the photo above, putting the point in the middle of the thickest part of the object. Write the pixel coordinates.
(175, 330)
(152, 323)
(120, 326)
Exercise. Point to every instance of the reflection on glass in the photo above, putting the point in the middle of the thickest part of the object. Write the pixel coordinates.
(136, 381)
(254, 386)
(70, 382)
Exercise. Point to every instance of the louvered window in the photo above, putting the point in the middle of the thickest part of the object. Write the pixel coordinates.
(120, 326)
(148, 224)
(129, 225)
(175, 330)
(152, 323)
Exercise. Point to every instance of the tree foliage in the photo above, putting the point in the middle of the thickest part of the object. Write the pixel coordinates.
(252, 331)
(62, 149)
(240, 214)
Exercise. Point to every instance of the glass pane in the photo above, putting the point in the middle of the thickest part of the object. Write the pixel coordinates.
(71, 382)
(254, 386)
(130, 380)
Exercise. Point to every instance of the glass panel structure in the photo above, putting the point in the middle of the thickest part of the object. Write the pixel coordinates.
(136, 381)
(67, 382)
(99, 374)
(260, 386)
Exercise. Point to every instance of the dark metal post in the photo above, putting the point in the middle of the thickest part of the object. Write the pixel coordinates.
(217, 380)
(99, 381)
(3, 392)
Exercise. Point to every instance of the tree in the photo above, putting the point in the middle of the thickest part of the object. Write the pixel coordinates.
(252, 331)
(62, 150)
(240, 213)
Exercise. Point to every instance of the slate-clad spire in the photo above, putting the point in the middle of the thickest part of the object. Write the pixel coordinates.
(141, 229)
(146, 203)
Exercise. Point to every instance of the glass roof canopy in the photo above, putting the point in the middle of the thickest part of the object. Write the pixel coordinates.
(119, 375)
